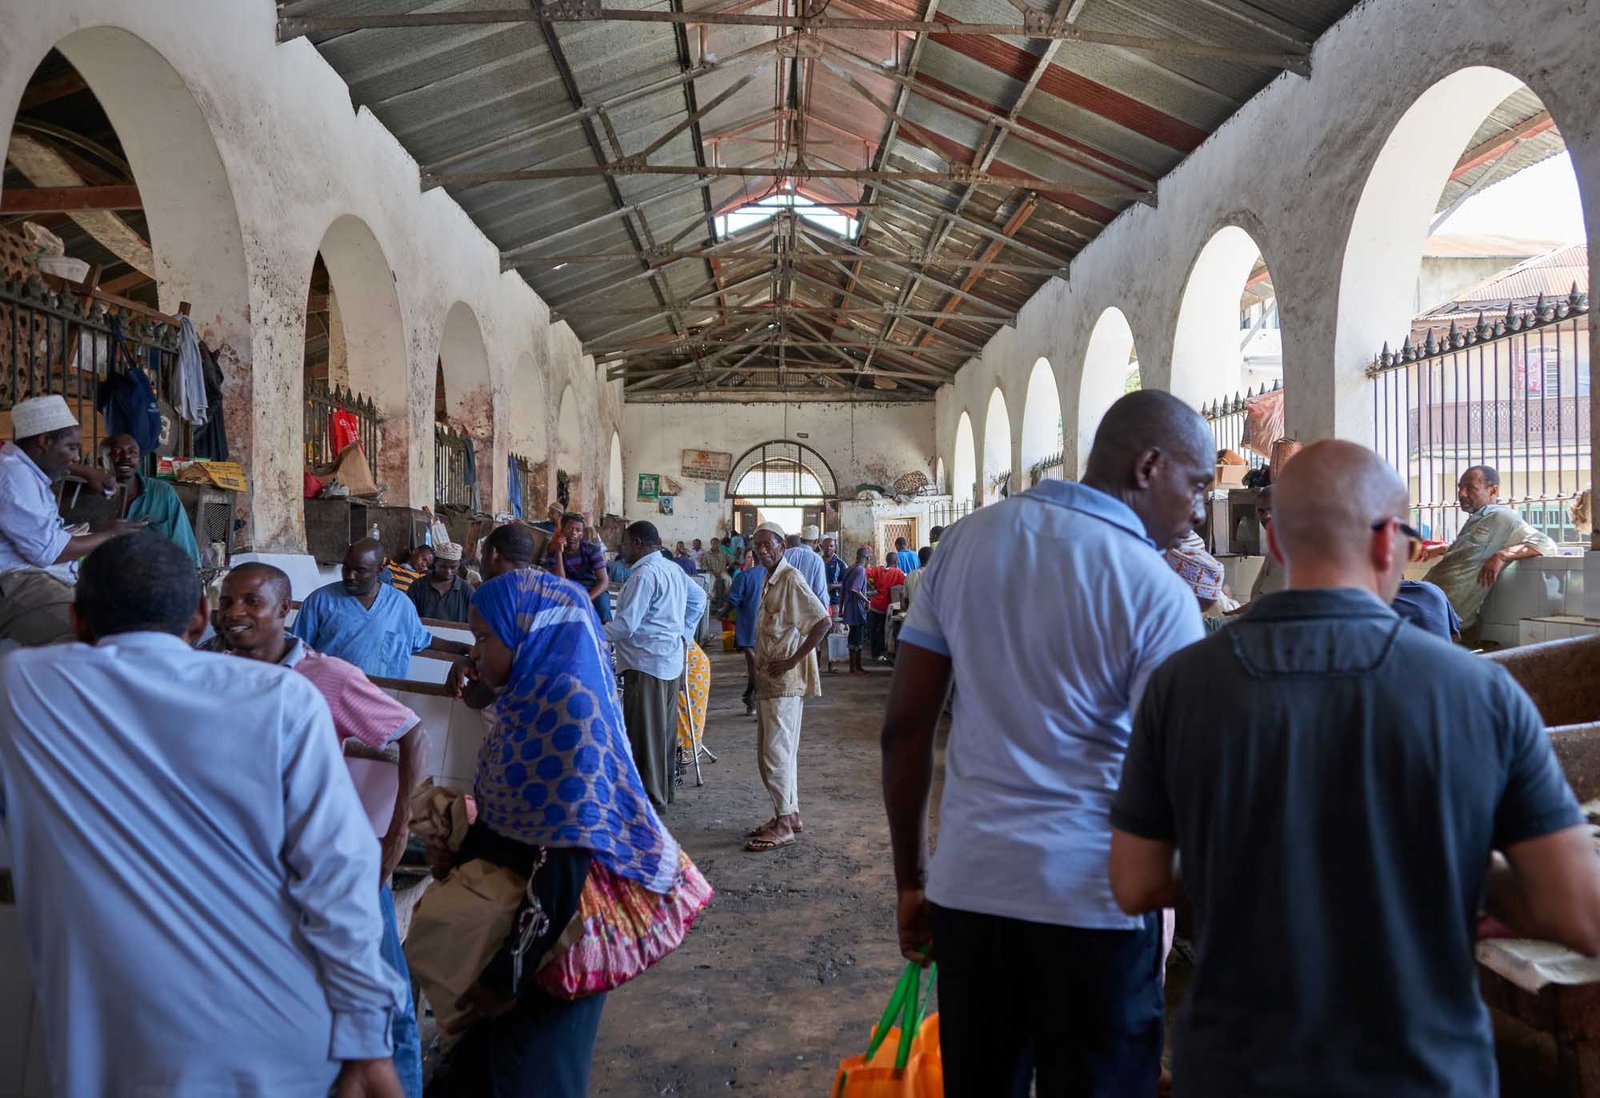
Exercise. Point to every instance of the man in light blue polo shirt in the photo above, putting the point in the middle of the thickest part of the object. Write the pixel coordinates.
(365, 622)
(647, 632)
(1039, 970)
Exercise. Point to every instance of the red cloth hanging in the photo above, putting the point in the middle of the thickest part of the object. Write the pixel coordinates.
(343, 429)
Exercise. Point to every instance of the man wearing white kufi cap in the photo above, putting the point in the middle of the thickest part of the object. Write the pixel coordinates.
(806, 558)
(36, 550)
(790, 623)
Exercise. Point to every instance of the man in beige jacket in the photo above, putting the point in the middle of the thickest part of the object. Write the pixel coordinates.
(790, 624)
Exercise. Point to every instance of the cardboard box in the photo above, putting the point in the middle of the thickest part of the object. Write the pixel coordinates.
(1230, 476)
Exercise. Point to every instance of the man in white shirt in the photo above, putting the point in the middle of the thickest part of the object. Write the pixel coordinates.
(36, 550)
(647, 633)
(1043, 980)
(200, 915)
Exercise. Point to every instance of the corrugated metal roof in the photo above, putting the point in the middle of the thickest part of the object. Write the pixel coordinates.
(633, 260)
(1553, 275)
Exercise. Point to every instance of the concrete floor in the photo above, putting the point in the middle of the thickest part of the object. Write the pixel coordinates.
(794, 958)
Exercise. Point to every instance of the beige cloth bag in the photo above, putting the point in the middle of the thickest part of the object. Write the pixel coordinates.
(460, 922)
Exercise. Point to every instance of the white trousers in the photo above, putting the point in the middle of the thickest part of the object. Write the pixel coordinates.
(777, 748)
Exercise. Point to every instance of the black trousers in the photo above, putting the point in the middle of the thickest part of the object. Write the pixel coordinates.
(1075, 1012)
(876, 625)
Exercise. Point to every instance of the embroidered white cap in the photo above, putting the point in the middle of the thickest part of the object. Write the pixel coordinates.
(40, 415)
(772, 528)
(447, 550)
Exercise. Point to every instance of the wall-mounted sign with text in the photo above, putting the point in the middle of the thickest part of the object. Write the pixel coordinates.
(707, 464)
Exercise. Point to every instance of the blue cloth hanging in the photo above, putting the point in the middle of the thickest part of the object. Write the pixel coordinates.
(126, 398)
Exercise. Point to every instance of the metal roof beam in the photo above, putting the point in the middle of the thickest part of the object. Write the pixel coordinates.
(799, 170)
(1038, 26)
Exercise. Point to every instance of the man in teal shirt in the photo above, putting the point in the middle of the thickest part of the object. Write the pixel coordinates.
(148, 498)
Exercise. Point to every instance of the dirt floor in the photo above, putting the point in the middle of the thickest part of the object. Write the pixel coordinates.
(790, 965)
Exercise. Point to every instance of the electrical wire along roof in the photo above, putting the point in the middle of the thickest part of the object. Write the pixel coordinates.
(812, 197)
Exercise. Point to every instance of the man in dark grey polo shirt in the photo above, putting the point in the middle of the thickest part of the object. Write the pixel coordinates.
(1343, 790)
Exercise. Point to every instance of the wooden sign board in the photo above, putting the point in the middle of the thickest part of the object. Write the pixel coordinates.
(707, 464)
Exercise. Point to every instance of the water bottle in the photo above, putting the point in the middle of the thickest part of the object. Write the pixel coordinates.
(374, 533)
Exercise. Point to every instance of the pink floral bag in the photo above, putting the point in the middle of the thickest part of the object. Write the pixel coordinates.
(621, 928)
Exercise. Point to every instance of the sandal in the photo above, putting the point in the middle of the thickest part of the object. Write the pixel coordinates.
(799, 827)
(766, 846)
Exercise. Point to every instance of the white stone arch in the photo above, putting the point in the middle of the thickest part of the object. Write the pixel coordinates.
(996, 445)
(964, 465)
(1105, 375)
(373, 330)
(197, 247)
(469, 397)
(1042, 416)
(1207, 343)
(569, 449)
(1383, 249)
(614, 479)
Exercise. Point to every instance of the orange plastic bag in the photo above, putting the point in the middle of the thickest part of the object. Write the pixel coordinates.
(902, 1059)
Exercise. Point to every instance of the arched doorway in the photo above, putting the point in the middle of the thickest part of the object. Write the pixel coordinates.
(1227, 337)
(464, 454)
(964, 464)
(614, 481)
(1442, 368)
(569, 453)
(784, 482)
(1110, 369)
(996, 449)
(1042, 438)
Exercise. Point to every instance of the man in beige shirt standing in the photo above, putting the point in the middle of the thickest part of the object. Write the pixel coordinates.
(790, 624)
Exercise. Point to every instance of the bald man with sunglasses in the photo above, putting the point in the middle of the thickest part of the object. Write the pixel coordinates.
(1344, 791)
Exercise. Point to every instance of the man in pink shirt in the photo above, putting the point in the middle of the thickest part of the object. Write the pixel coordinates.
(251, 620)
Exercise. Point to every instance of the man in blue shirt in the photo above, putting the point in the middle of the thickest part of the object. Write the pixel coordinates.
(803, 555)
(365, 622)
(1042, 979)
(905, 557)
(853, 606)
(195, 875)
(744, 597)
(647, 634)
(1343, 791)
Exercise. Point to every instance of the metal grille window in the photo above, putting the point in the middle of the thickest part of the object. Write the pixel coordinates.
(1512, 393)
(450, 487)
(51, 343)
(782, 471)
(1227, 416)
(524, 486)
(944, 514)
(321, 404)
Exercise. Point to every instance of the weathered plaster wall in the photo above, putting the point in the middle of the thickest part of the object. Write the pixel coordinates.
(248, 154)
(864, 443)
(1290, 169)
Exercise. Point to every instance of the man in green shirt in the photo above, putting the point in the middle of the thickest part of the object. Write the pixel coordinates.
(148, 498)
(1491, 538)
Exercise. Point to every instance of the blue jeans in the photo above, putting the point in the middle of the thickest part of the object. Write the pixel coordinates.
(407, 1041)
(544, 1047)
(1073, 1012)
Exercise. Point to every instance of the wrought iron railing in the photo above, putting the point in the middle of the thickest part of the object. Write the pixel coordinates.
(1512, 393)
(321, 405)
(1053, 467)
(451, 487)
(1227, 416)
(521, 488)
(54, 343)
(943, 514)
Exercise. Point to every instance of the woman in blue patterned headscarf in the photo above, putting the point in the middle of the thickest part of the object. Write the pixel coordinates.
(556, 788)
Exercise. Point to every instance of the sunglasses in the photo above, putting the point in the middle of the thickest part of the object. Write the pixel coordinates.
(1414, 540)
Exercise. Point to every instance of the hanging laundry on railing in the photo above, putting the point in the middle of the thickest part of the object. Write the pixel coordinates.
(211, 441)
(469, 475)
(126, 398)
(1263, 422)
(189, 379)
(515, 484)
